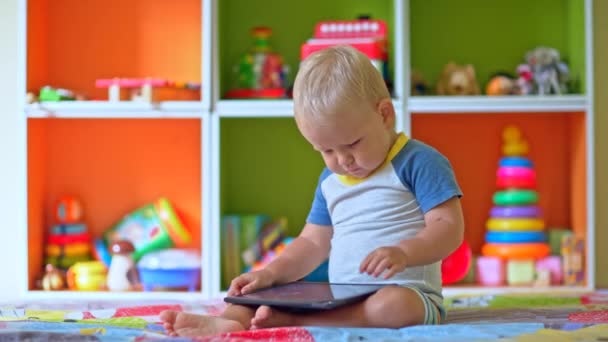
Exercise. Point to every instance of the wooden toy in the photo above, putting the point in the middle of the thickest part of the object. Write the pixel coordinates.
(520, 272)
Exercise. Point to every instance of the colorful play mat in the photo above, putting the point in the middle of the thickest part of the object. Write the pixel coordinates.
(539, 317)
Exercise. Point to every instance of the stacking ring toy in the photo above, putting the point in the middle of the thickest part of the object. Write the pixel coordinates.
(514, 224)
(515, 237)
(67, 250)
(515, 197)
(515, 161)
(516, 212)
(516, 250)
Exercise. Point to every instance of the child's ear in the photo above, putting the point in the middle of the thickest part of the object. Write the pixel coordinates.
(387, 111)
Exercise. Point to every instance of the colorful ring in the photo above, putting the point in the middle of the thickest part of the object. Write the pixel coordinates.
(67, 250)
(65, 239)
(516, 182)
(515, 237)
(516, 212)
(75, 228)
(516, 171)
(515, 161)
(515, 197)
(516, 251)
(515, 224)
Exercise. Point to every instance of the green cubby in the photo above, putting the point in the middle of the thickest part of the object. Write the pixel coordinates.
(495, 35)
(267, 167)
(292, 22)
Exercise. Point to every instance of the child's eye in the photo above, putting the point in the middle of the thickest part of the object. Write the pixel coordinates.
(328, 151)
(355, 143)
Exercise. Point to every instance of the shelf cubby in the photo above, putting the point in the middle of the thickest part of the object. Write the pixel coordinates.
(113, 166)
(558, 149)
(70, 44)
(495, 37)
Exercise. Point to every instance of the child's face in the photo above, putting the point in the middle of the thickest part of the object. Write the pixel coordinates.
(353, 142)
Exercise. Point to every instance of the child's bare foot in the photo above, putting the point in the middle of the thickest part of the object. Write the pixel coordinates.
(265, 317)
(191, 325)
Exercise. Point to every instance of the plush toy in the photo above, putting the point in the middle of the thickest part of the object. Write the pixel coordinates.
(457, 80)
(418, 84)
(549, 73)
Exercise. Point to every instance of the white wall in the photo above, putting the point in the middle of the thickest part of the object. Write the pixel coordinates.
(13, 225)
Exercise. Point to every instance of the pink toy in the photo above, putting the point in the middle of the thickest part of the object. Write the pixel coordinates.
(554, 265)
(490, 271)
(456, 266)
(366, 35)
(516, 177)
(140, 88)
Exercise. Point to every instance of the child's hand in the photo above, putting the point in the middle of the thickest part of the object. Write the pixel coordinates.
(391, 259)
(249, 282)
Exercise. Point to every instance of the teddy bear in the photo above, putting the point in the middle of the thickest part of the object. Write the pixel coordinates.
(457, 79)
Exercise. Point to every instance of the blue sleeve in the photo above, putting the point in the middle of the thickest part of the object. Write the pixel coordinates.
(319, 214)
(428, 174)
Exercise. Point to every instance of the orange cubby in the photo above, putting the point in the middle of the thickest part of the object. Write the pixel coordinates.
(72, 43)
(472, 142)
(113, 166)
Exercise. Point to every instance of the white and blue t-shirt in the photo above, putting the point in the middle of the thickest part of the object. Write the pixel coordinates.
(381, 210)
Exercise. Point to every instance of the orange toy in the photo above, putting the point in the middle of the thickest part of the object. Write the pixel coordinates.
(516, 250)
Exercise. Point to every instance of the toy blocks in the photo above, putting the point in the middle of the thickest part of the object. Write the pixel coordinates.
(520, 272)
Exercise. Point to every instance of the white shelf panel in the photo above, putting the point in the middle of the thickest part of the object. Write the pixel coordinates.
(123, 109)
(255, 108)
(451, 291)
(497, 104)
(113, 296)
(263, 108)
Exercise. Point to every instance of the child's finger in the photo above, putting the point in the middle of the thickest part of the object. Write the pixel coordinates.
(371, 266)
(382, 265)
(249, 287)
(364, 264)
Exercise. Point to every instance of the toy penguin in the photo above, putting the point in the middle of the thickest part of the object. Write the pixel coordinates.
(122, 275)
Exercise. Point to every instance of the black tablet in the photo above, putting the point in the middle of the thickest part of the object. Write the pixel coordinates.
(307, 295)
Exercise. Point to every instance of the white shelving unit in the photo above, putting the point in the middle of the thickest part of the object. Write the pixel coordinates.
(211, 109)
(126, 109)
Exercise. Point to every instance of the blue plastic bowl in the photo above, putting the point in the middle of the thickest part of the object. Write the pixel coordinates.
(170, 278)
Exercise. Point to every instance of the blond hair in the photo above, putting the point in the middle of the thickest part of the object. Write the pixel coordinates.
(336, 78)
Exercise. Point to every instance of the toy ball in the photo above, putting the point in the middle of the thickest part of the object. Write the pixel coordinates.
(500, 85)
(456, 266)
(68, 210)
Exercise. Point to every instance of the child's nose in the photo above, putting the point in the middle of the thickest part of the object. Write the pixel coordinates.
(346, 160)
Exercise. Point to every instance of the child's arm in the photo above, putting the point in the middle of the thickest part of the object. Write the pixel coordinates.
(302, 255)
(442, 234)
(297, 260)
